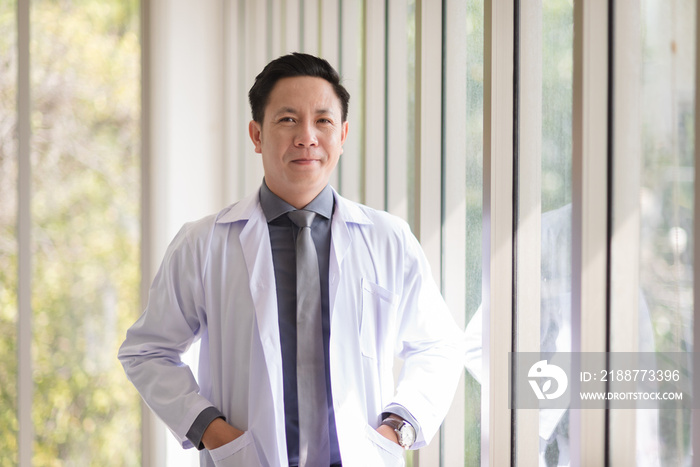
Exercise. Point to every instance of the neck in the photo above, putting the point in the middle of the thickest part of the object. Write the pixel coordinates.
(298, 199)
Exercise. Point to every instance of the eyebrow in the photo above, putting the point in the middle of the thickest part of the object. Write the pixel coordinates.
(291, 110)
(285, 110)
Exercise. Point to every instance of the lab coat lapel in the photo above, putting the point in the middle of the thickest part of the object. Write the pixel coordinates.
(255, 243)
(346, 213)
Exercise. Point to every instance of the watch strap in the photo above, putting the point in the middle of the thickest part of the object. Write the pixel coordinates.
(399, 426)
(394, 423)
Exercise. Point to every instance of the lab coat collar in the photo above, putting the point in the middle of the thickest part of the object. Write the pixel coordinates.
(240, 211)
(345, 211)
(349, 212)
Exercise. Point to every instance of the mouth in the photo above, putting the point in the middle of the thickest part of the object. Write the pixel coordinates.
(305, 161)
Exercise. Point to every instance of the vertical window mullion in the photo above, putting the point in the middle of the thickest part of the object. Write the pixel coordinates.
(25, 388)
(529, 207)
(149, 454)
(292, 28)
(310, 30)
(236, 109)
(589, 226)
(255, 55)
(428, 179)
(397, 108)
(374, 121)
(276, 28)
(454, 265)
(625, 241)
(329, 44)
(695, 420)
(350, 68)
(497, 231)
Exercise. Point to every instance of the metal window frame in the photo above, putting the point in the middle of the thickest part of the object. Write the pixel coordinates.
(528, 205)
(429, 153)
(497, 243)
(695, 417)
(396, 185)
(454, 215)
(625, 217)
(589, 308)
(374, 119)
(350, 68)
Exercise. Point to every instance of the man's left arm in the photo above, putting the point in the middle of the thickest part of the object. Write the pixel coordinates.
(431, 345)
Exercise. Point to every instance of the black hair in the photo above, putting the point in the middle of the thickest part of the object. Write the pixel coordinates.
(287, 66)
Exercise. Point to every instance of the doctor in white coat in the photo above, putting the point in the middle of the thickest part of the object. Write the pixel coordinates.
(217, 283)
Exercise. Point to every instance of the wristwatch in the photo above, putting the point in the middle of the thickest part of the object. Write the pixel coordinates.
(405, 432)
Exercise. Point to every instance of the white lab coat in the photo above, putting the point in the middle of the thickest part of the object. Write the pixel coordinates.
(217, 283)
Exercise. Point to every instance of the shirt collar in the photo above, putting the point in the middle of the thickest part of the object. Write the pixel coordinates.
(273, 206)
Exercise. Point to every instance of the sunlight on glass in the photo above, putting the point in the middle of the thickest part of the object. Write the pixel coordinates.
(85, 92)
(474, 126)
(8, 235)
(667, 86)
(555, 289)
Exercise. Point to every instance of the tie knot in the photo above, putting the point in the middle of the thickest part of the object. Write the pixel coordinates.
(302, 218)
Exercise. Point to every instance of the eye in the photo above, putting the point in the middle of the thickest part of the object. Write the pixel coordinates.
(286, 120)
(326, 121)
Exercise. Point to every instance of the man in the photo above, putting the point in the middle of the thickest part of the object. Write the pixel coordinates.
(301, 299)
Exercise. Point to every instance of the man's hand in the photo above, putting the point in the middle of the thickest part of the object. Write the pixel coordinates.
(389, 433)
(219, 433)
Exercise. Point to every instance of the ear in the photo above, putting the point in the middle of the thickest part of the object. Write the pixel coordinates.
(343, 134)
(255, 132)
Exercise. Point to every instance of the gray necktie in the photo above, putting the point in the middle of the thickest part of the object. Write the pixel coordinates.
(314, 449)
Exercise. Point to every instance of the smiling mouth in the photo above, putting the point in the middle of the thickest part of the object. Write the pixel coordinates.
(305, 161)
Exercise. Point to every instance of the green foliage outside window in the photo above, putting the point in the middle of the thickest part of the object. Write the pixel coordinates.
(85, 118)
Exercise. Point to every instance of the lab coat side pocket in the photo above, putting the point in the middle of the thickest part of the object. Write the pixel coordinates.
(377, 319)
(240, 452)
(391, 454)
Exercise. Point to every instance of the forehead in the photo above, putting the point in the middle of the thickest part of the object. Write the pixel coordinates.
(300, 93)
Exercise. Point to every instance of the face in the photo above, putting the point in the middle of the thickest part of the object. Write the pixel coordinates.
(301, 138)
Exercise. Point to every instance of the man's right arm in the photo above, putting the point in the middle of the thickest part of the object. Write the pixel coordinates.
(151, 351)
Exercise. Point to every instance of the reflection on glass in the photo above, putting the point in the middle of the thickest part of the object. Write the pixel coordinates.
(666, 201)
(555, 288)
(85, 224)
(8, 237)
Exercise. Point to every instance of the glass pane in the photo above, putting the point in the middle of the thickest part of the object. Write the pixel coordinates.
(462, 214)
(474, 24)
(555, 280)
(86, 237)
(8, 236)
(666, 201)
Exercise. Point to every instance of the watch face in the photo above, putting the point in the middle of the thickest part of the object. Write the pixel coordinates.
(407, 435)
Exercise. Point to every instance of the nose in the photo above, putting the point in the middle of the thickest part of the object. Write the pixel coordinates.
(306, 136)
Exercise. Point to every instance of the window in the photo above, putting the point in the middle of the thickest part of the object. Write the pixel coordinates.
(84, 219)
(521, 141)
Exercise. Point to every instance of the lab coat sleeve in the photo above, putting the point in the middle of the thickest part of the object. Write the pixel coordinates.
(173, 319)
(429, 342)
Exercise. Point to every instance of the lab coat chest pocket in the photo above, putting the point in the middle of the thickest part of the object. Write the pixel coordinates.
(377, 319)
